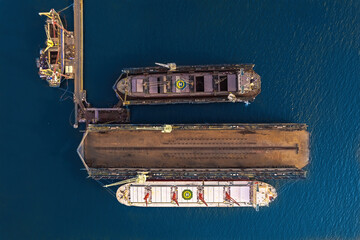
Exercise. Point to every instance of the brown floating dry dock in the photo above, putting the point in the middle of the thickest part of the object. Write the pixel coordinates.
(232, 146)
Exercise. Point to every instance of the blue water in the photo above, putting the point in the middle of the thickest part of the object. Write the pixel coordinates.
(307, 52)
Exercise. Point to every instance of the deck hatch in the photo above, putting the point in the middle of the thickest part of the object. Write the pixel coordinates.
(223, 84)
(153, 85)
(214, 194)
(53, 57)
(137, 85)
(240, 194)
(208, 83)
(231, 82)
(137, 194)
(199, 84)
(161, 194)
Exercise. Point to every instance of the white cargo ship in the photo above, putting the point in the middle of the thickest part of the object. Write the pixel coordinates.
(197, 194)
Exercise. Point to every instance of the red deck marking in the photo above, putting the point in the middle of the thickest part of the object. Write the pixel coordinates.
(146, 198)
(228, 197)
(201, 197)
(174, 198)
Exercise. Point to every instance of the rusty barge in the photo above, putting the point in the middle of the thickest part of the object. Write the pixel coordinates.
(169, 83)
(201, 152)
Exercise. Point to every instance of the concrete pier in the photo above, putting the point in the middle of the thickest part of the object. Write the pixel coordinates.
(79, 92)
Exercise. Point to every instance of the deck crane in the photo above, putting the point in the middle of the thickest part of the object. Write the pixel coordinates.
(140, 178)
(170, 66)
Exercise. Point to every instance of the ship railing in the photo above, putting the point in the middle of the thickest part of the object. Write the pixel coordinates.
(200, 174)
(265, 126)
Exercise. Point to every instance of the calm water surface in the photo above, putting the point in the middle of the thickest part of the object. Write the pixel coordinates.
(307, 53)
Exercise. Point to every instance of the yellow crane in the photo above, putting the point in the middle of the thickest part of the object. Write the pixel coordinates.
(140, 178)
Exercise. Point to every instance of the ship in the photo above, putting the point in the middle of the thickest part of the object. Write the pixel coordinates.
(197, 194)
(168, 83)
(57, 59)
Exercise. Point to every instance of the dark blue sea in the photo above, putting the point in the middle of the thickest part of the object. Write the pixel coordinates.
(307, 53)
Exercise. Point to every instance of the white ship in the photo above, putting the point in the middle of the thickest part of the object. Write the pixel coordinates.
(197, 194)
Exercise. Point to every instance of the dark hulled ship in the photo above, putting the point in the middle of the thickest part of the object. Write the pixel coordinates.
(168, 83)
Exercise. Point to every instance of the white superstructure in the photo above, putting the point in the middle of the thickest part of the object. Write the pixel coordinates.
(196, 194)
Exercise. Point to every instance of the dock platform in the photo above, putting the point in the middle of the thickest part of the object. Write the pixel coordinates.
(195, 147)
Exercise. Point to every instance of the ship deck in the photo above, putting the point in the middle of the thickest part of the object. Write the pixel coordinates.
(194, 147)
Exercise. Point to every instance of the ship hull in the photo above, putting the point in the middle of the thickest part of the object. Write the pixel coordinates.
(197, 194)
(188, 84)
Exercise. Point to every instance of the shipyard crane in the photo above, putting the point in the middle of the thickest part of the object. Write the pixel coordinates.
(49, 42)
(140, 178)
